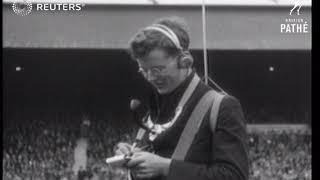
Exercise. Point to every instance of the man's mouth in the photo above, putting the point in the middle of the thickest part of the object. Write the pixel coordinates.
(159, 84)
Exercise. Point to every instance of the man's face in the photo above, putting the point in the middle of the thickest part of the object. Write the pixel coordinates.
(161, 71)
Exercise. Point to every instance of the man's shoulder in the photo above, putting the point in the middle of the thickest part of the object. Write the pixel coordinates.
(230, 113)
(228, 103)
(228, 100)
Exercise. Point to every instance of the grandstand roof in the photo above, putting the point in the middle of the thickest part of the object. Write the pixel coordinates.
(110, 27)
(177, 2)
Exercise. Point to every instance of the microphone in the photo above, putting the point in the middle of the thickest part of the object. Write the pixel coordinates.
(134, 105)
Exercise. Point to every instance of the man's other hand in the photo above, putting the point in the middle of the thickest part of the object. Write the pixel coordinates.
(147, 165)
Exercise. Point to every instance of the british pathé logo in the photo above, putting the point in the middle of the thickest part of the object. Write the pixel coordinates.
(22, 8)
(298, 25)
(297, 6)
(295, 24)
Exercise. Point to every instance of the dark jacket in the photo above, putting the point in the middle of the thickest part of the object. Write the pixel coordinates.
(218, 155)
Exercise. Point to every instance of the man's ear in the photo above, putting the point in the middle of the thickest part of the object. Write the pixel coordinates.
(185, 60)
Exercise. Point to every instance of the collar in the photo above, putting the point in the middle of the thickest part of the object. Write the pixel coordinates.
(178, 92)
(191, 83)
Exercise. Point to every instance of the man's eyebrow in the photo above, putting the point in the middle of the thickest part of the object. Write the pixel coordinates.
(152, 67)
(158, 66)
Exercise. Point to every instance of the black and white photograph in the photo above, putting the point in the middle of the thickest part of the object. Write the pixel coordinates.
(157, 90)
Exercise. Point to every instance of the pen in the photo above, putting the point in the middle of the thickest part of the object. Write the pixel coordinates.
(133, 146)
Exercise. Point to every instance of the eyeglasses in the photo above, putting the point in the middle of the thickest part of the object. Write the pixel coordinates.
(154, 71)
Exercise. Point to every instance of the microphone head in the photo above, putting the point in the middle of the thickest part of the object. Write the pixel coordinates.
(134, 104)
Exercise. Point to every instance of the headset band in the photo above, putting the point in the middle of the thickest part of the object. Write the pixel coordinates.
(167, 32)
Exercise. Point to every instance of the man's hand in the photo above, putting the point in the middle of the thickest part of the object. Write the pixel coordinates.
(125, 149)
(147, 165)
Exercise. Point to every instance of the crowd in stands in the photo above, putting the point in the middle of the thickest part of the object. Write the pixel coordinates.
(280, 155)
(37, 150)
(272, 115)
(43, 150)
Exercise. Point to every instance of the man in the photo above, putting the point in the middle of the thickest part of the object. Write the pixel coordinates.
(162, 53)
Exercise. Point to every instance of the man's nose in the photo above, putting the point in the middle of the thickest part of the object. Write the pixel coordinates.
(151, 77)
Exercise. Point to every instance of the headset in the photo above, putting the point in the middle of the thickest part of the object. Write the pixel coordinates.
(185, 60)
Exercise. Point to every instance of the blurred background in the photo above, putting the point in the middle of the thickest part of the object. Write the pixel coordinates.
(68, 82)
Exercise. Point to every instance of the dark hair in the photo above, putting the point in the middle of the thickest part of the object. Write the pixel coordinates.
(147, 40)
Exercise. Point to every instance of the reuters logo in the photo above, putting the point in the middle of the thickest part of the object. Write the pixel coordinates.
(22, 8)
